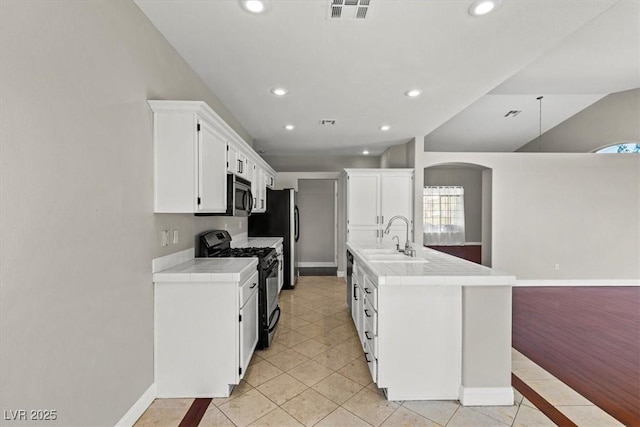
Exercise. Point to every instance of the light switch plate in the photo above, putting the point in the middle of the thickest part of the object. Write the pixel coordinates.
(175, 237)
(165, 237)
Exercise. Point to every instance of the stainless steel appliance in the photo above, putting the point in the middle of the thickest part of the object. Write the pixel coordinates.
(239, 198)
(217, 243)
(349, 279)
(281, 219)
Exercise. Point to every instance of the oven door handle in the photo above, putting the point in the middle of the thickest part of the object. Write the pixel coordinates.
(273, 266)
(272, 324)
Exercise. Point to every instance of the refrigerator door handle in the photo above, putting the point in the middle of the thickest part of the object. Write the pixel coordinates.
(296, 223)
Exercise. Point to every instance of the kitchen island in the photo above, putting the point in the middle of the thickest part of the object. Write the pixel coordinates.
(433, 327)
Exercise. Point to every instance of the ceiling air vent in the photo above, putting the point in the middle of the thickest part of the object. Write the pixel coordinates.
(327, 122)
(348, 10)
(513, 113)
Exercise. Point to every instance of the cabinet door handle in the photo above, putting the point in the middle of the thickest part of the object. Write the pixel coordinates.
(253, 286)
(377, 219)
(382, 219)
(239, 166)
(366, 357)
(366, 334)
(377, 233)
(366, 313)
(355, 292)
(367, 291)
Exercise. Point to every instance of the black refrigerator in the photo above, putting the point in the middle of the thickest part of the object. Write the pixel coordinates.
(281, 219)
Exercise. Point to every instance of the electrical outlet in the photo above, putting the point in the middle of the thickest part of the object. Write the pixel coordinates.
(175, 237)
(557, 267)
(165, 237)
(225, 226)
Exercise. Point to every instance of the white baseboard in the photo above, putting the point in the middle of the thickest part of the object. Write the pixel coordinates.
(600, 282)
(138, 408)
(317, 264)
(486, 396)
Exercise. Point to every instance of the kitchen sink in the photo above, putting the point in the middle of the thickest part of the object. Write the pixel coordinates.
(380, 251)
(392, 257)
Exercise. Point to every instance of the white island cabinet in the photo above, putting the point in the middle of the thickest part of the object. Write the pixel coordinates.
(206, 326)
(433, 327)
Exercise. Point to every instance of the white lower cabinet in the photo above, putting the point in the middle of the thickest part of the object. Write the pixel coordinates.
(248, 324)
(411, 336)
(205, 335)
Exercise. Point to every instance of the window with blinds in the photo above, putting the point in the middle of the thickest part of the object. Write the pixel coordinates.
(443, 215)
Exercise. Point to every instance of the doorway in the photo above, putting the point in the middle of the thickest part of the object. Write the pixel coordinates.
(317, 247)
(476, 184)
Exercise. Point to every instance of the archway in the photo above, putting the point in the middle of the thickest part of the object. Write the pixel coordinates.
(476, 182)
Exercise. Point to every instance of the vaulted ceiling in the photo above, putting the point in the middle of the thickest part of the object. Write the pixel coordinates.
(471, 70)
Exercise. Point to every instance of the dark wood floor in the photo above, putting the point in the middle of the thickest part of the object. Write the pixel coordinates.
(589, 338)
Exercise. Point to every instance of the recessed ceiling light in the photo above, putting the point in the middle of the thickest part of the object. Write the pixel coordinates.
(289, 127)
(385, 128)
(279, 91)
(482, 7)
(413, 93)
(365, 152)
(254, 6)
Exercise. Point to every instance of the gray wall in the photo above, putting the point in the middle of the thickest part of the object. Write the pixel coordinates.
(317, 203)
(321, 164)
(471, 179)
(76, 209)
(577, 210)
(394, 157)
(613, 119)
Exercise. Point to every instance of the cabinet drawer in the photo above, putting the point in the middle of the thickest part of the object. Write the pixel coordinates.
(369, 317)
(248, 288)
(372, 361)
(370, 337)
(371, 292)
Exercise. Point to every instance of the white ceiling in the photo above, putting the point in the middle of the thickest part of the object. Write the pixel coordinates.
(472, 70)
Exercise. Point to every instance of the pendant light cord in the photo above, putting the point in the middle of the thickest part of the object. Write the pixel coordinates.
(540, 124)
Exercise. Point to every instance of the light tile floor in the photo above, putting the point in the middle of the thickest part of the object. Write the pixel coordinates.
(314, 373)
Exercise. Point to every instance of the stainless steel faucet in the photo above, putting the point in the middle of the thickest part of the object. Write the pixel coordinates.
(397, 242)
(408, 250)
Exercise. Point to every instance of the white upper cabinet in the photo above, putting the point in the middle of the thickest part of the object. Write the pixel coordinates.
(194, 150)
(212, 188)
(374, 196)
(237, 161)
(270, 180)
(363, 191)
(232, 158)
(396, 194)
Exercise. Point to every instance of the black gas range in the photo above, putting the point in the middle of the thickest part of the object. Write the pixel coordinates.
(217, 244)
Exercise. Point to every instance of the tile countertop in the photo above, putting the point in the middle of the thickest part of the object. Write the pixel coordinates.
(440, 269)
(209, 270)
(257, 242)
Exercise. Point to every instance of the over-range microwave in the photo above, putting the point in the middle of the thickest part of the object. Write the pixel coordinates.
(239, 198)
